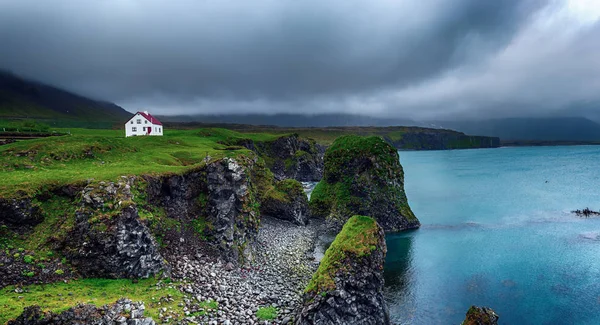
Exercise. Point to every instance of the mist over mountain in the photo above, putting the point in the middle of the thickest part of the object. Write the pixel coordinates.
(23, 98)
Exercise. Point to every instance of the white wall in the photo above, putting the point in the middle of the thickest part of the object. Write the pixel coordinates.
(139, 123)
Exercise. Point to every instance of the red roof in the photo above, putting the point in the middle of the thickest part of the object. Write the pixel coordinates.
(150, 118)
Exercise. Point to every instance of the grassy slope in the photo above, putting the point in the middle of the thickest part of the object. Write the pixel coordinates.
(61, 296)
(31, 165)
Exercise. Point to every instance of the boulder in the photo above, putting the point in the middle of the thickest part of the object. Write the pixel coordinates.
(481, 316)
(363, 176)
(348, 285)
(124, 312)
(287, 201)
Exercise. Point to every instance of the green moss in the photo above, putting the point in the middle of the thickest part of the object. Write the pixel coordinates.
(357, 177)
(358, 238)
(60, 296)
(267, 313)
(28, 259)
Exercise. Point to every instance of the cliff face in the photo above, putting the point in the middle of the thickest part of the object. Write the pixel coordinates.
(348, 285)
(108, 238)
(125, 228)
(287, 201)
(290, 157)
(430, 140)
(363, 176)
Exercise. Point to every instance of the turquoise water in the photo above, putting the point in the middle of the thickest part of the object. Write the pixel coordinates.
(497, 231)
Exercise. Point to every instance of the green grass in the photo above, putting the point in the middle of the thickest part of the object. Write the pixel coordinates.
(61, 296)
(358, 238)
(29, 167)
(266, 313)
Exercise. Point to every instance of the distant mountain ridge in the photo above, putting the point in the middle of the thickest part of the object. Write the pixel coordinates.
(22, 98)
(294, 120)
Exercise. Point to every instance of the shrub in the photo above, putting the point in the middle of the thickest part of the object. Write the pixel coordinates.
(28, 259)
(266, 313)
(59, 272)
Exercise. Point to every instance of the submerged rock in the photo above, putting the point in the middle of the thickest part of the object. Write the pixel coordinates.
(287, 201)
(363, 176)
(348, 285)
(124, 311)
(481, 316)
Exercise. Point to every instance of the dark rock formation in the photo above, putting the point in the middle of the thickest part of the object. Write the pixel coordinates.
(108, 239)
(287, 201)
(123, 312)
(587, 212)
(118, 247)
(436, 139)
(289, 157)
(19, 214)
(481, 316)
(233, 208)
(363, 176)
(348, 286)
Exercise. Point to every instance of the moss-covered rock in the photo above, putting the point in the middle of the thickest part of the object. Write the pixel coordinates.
(288, 156)
(287, 201)
(348, 285)
(480, 316)
(363, 176)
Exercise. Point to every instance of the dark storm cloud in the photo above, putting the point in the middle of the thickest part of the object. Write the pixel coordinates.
(311, 56)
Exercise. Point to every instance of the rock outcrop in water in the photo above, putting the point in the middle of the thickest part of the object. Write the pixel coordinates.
(481, 316)
(348, 285)
(289, 157)
(363, 176)
(123, 312)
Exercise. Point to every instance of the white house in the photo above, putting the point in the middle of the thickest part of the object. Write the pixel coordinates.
(142, 123)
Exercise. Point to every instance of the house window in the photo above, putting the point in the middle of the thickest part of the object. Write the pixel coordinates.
(139, 121)
(131, 121)
(145, 122)
(159, 130)
(133, 129)
(144, 129)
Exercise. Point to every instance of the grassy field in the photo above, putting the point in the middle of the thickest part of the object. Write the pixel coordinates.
(31, 165)
(61, 296)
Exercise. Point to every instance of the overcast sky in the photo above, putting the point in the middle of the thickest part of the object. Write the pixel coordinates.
(421, 59)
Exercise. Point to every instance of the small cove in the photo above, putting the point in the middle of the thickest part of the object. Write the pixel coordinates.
(497, 231)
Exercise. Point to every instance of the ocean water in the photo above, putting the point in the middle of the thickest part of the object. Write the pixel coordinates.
(497, 231)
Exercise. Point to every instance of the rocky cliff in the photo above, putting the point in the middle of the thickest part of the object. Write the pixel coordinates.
(123, 312)
(363, 176)
(289, 157)
(434, 139)
(348, 285)
(481, 316)
(129, 228)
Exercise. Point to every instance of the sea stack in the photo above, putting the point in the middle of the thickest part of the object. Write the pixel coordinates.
(348, 286)
(363, 176)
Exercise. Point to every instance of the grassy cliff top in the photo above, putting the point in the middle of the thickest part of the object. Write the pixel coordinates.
(30, 165)
(358, 238)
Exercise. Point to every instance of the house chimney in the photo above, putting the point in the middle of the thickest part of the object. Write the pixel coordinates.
(146, 112)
